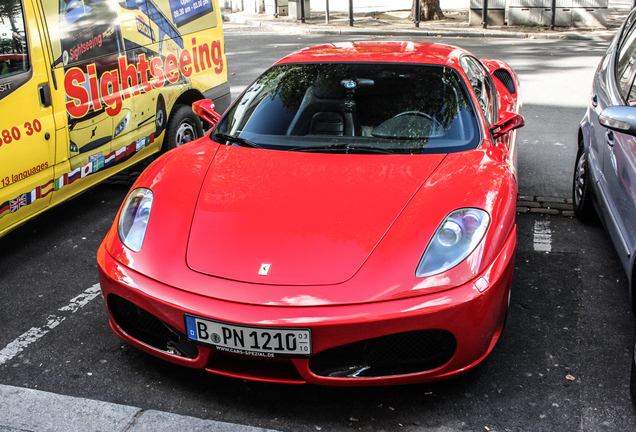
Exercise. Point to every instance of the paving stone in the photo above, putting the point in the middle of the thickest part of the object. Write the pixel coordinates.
(551, 199)
(528, 204)
(558, 206)
(544, 211)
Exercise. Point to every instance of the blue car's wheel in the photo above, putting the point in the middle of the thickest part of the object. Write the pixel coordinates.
(582, 201)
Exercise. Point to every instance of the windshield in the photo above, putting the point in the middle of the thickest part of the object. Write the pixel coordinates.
(397, 108)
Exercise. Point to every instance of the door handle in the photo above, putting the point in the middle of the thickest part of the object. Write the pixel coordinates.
(609, 138)
(45, 95)
(594, 101)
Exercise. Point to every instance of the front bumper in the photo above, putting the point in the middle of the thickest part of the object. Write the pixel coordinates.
(473, 314)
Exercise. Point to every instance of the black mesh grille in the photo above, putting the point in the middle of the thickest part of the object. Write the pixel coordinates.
(506, 79)
(401, 353)
(404, 348)
(145, 327)
(134, 320)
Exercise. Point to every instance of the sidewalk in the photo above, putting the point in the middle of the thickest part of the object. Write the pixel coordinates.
(391, 23)
(28, 410)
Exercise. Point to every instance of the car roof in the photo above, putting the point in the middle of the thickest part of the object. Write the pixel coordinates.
(372, 51)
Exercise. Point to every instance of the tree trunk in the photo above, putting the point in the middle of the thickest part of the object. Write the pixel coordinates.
(429, 10)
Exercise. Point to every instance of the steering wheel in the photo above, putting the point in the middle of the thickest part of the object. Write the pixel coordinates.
(436, 124)
(409, 125)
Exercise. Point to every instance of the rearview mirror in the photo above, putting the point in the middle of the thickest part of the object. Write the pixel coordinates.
(619, 119)
(509, 122)
(205, 109)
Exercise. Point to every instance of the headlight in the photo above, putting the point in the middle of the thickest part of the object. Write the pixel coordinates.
(455, 239)
(133, 219)
(122, 124)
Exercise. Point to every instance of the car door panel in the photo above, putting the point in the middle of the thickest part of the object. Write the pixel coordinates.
(619, 150)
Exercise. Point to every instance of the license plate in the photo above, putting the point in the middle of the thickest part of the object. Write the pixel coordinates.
(248, 340)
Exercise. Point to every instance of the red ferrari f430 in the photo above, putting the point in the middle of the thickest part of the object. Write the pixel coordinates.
(349, 220)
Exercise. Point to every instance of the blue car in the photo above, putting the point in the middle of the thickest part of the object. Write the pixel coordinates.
(605, 169)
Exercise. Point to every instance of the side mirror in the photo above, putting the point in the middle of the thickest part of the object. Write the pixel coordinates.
(509, 122)
(619, 119)
(205, 109)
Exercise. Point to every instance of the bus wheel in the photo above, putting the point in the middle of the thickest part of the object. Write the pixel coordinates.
(184, 126)
(160, 116)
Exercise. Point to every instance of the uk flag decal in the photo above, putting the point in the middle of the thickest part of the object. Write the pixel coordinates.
(18, 202)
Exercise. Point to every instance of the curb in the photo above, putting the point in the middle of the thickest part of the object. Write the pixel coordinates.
(24, 410)
(603, 35)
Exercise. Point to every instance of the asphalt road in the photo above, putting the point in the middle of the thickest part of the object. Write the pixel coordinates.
(562, 363)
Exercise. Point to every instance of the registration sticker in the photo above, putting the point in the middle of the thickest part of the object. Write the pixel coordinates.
(249, 340)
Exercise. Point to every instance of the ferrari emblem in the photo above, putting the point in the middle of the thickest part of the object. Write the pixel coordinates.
(264, 269)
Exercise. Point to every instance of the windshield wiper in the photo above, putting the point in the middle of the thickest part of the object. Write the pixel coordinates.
(237, 140)
(348, 148)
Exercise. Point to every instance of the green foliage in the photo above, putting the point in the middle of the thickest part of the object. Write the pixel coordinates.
(289, 82)
(10, 8)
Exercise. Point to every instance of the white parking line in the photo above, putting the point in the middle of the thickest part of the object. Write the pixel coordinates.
(17, 346)
(542, 236)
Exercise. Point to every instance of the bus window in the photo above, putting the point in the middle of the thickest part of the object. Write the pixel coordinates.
(14, 58)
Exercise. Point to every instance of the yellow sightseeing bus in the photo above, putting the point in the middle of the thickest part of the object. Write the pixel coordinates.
(90, 87)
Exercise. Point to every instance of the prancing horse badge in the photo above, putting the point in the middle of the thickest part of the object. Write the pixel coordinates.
(264, 269)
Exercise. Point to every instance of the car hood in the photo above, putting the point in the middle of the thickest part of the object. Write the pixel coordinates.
(295, 218)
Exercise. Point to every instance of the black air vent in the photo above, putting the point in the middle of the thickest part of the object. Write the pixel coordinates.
(396, 354)
(506, 79)
(147, 328)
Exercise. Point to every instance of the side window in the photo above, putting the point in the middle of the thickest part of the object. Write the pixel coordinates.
(482, 85)
(14, 57)
(626, 66)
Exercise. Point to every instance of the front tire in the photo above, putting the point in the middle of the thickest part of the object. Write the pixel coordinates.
(184, 126)
(581, 195)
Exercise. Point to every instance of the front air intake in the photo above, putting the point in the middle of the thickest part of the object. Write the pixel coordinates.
(147, 328)
(396, 354)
